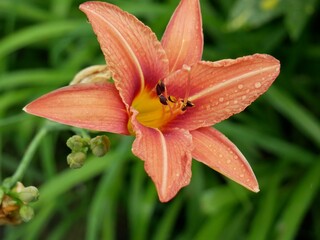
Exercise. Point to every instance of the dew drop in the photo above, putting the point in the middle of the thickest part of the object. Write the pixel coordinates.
(220, 156)
(257, 85)
(241, 175)
(244, 97)
(240, 86)
(228, 161)
(221, 99)
(235, 101)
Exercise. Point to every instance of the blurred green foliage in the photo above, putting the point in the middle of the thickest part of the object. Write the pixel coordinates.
(44, 43)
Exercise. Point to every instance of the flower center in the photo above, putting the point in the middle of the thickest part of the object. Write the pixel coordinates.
(156, 108)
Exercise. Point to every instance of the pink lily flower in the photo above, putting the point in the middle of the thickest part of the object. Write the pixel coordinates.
(164, 95)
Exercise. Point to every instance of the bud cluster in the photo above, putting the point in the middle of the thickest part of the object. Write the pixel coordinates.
(79, 146)
(14, 204)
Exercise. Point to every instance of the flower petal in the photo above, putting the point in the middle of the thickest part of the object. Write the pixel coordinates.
(131, 49)
(221, 89)
(219, 153)
(167, 158)
(183, 38)
(87, 105)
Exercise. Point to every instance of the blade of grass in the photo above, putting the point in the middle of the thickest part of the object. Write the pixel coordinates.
(24, 10)
(167, 223)
(214, 225)
(60, 230)
(278, 146)
(299, 203)
(104, 201)
(47, 153)
(13, 98)
(36, 77)
(265, 212)
(36, 34)
(60, 8)
(141, 203)
(296, 113)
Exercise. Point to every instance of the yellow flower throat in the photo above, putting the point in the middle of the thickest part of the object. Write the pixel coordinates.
(155, 108)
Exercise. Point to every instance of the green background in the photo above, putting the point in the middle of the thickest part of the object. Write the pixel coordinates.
(44, 43)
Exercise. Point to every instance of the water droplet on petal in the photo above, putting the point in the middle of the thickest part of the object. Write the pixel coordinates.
(240, 86)
(257, 84)
(241, 175)
(221, 99)
(228, 161)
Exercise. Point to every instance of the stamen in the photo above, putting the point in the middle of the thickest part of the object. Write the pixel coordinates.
(160, 88)
(172, 99)
(186, 96)
(190, 104)
(186, 103)
(172, 102)
(163, 99)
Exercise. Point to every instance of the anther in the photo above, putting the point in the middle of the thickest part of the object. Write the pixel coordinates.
(172, 99)
(163, 99)
(160, 88)
(186, 105)
(190, 104)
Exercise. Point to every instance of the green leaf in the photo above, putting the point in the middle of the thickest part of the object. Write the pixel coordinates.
(36, 34)
(252, 13)
(299, 203)
(297, 13)
(297, 114)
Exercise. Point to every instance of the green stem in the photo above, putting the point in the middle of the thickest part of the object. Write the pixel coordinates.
(26, 159)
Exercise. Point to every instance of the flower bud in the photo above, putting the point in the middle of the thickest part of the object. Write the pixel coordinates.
(26, 213)
(29, 194)
(77, 144)
(92, 74)
(76, 159)
(9, 211)
(100, 145)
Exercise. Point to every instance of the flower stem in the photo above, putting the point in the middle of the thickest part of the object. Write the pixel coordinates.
(26, 159)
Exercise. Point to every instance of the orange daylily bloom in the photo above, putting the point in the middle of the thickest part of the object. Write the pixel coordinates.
(164, 95)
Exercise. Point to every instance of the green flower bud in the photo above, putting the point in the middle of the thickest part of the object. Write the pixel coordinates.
(78, 144)
(29, 194)
(76, 159)
(26, 213)
(100, 145)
